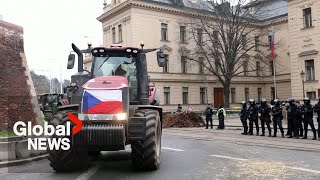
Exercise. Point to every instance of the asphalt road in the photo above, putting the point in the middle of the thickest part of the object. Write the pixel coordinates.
(199, 154)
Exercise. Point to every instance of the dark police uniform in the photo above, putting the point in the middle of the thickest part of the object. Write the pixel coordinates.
(277, 118)
(317, 110)
(292, 111)
(209, 113)
(300, 119)
(253, 117)
(265, 117)
(244, 117)
(308, 118)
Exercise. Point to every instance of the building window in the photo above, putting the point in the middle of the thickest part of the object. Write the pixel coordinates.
(246, 94)
(233, 95)
(183, 34)
(311, 95)
(166, 91)
(215, 35)
(256, 43)
(166, 67)
(269, 41)
(271, 68)
(273, 93)
(259, 94)
(120, 33)
(310, 70)
(164, 32)
(258, 68)
(307, 18)
(202, 95)
(217, 67)
(113, 35)
(201, 65)
(245, 68)
(183, 65)
(244, 40)
(199, 36)
(184, 95)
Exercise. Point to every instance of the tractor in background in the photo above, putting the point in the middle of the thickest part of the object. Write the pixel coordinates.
(49, 103)
(117, 106)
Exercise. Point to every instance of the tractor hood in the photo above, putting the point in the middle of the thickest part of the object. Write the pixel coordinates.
(107, 83)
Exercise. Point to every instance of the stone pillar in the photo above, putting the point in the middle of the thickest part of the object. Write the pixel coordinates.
(18, 101)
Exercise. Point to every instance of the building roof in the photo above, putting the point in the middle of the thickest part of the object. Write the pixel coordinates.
(268, 9)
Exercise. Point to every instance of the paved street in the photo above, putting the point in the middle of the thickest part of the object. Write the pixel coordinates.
(197, 153)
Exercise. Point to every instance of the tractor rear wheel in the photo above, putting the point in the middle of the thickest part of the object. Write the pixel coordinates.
(48, 116)
(66, 160)
(146, 154)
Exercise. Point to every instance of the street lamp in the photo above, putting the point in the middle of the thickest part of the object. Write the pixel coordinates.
(302, 78)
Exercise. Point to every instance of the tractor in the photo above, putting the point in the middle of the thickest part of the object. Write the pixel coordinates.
(49, 103)
(117, 105)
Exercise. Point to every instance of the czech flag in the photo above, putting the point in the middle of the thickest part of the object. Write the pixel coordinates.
(272, 46)
(102, 102)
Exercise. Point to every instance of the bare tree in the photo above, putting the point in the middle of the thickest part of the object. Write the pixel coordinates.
(223, 34)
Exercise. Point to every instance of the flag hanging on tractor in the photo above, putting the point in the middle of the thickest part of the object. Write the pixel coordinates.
(102, 102)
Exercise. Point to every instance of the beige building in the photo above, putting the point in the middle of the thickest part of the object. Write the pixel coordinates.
(162, 23)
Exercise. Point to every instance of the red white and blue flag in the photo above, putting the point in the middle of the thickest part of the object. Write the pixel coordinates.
(272, 46)
(102, 102)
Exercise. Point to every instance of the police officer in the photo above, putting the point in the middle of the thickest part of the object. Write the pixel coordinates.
(277, 118)
(292, 112)
(299, 118)
(265, 118)
(308, 118)
(209, 113)
(287, 105)
(317, 110)
(244, 117)
(253, 116)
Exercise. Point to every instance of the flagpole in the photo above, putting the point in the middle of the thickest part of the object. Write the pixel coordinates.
(274, 64)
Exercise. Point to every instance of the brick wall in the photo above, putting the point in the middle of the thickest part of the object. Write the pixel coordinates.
(15, 93)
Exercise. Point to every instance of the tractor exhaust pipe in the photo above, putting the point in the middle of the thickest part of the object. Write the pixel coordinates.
(80, 57)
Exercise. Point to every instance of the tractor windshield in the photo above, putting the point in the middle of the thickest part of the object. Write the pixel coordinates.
(118, 66)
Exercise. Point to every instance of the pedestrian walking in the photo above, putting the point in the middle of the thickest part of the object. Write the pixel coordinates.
(265, 116)
(209, 113)
(308, 118)
(221, 113)
(317, 110)
(277, 118)
(253, 116)
(244, 117)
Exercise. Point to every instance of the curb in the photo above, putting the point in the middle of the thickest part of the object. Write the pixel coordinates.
(22, 161)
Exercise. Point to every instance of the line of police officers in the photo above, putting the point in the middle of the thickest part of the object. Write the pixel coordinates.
(296, 115)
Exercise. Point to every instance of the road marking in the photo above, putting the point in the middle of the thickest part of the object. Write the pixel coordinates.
(227, 157)
(173, 149)
(88, 174)
(294, 168)
(304, 169)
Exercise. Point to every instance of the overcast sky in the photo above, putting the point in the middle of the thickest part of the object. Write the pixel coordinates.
(50, 26)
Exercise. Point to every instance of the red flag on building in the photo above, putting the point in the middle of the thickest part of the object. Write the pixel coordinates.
(272, 46)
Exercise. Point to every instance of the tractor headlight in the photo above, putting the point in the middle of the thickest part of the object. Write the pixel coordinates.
(121, 116)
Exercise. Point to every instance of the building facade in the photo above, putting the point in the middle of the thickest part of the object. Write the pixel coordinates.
(163, 23)
(304, 46)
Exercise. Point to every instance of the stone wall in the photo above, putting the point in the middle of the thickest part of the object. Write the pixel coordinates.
(16, 96)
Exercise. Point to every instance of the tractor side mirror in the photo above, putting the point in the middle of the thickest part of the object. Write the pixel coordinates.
(161, 59)
(71, 60)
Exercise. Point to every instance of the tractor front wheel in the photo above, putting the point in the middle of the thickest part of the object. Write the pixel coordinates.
(66, 160)
(48, 116)
(146, 154)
